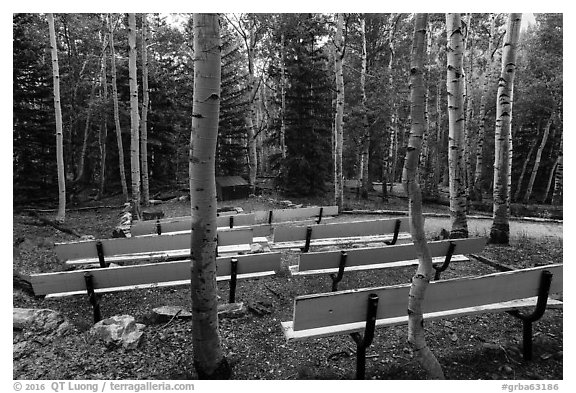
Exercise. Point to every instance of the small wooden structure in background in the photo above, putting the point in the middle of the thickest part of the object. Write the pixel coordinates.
(231, 187)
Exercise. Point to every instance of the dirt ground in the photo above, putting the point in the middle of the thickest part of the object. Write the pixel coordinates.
(486, 346)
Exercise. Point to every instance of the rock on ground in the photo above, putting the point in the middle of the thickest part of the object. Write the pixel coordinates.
(119, 330)
(44, 321)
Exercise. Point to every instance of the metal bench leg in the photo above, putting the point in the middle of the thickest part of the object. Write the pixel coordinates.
(336, 278)
(308, 238)
(362, 343)
(528, 319)
(158, 227)
(320, 215)
(440, 269)
(233, 279)
(92, 297)
(100, 252)
(396, 231)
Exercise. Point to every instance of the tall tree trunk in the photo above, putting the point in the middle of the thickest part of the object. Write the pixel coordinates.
(339, 120)
(500, 231)
(251, 117)
(525, 165)
(144, 120)
(61, 215)
(134, 118)
(424, 273)
(455, 87)
(488, 79)
(104, 125)
(82, 164)
(365, 174)
(283, 95)
(117, 115)
(549, 123)
(389, 161)
(209, 359)
(558, 189)
(468, 104)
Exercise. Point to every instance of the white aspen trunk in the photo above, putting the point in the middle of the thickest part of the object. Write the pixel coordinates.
(61, 215)
(104, 126)
(524, 166)
(339, 119)
(365, 173)
(117, 115)
(134, 119)
(144, 120)
(424, 273)
(558, 191)
(456, 164)
(538, 158)
(500, 231)
(283, 96)
(390, 160)
(488, 79)
(469, 56)
(82, 163)
(253, 90)
(209, 359)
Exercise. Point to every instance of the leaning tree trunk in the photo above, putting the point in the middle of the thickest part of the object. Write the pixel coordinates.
(144, 120)
(456, 164)
(61, 215)
(478, 179)
(82, 164)
(117, 116)
(209, 359)
(134, 120)
(339, 120)
(525, 165)
(557, 195)
(424, 273)
(538, 158)
(365, 174)
(500, 231)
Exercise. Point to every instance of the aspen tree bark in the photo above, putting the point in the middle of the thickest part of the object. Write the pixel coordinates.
(209, 359)
(134, 118)
(339, 119)
(456, 164)
(488, 79)
(500, 231)
(82, 163)
(104, 125)
(365, 174)
(144, 120)
(117, 115)
(390, 161)
(253, 97)
(536, 166)
(557, 195)
(525, 165)
(61, 215)
(283, 95)
(424, 273)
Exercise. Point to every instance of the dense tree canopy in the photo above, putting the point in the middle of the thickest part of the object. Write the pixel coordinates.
(293, 63)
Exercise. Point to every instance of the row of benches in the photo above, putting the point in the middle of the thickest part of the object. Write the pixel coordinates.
(176, 245)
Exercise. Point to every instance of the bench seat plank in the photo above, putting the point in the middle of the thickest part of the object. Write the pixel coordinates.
(327, 331)
(141, 244)
(357, 257)
(344, 307)
(184, 223)
(282, 215)
(155, 273)
(402, 238)
(341, 229)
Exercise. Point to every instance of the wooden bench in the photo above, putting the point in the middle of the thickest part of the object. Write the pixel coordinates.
(443, 253)
(388, 230)
(102, 280)
(148, 247)
(354, 311)
(177, 224)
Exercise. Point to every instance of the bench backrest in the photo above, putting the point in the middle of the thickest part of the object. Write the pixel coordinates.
(347, 307)
(143, 244)
(389, 254)
(73, 281)
(341, 229)
(176, 224)
(283, 215)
